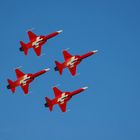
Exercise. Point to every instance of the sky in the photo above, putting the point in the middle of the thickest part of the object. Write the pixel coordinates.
(109, 108)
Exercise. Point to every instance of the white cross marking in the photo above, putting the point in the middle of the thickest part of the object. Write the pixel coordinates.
(62, 98)
(24, 80)
(72, 61)
(37, 41)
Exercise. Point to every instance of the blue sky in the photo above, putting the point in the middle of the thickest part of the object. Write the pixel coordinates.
(109, 109)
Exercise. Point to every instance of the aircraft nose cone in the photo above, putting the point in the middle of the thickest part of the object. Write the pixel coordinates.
(95, 51)
(60, 31)
(84, 88)
(47, 69)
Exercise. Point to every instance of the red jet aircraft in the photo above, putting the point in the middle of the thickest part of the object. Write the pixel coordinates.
(61, 98)
(71, 62)
(36, 42)
(24, 80)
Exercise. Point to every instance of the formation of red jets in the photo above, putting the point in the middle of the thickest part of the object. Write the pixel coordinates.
(71, 62)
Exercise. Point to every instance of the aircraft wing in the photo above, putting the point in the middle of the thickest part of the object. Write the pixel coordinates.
(63, 106)
(57, 92)
(66, 55)
(37, 50)
(25, 88)
(19, 73)
(73, 70)
(31, 35)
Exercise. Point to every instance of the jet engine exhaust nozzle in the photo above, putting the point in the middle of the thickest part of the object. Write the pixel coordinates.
(46, 105)
(8, 86)
(21, 49)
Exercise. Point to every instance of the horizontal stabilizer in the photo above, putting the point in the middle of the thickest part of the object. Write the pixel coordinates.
(11, 85)
(49, 103)
(24, 47)
(59, 66)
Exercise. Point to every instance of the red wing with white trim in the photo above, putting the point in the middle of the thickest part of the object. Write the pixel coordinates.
(73, 70)
(63, 106)
(37, 50)
(66, 55)
(25, 88)
(31, 35)
(19, 73)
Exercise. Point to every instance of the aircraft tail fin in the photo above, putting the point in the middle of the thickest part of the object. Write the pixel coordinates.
(59, 67)
(11, 85)
(49, 103)
(23, 47)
